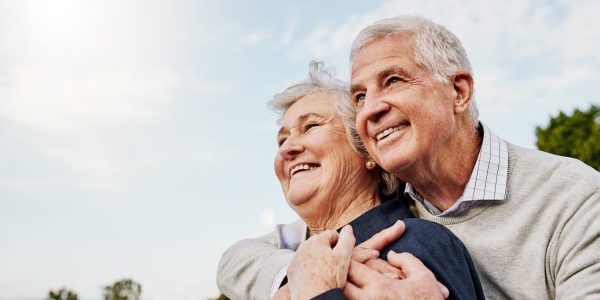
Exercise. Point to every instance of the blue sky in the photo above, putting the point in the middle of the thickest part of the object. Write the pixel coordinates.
(135, 140)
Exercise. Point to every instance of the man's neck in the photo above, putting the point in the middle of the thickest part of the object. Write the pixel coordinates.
(442, 180)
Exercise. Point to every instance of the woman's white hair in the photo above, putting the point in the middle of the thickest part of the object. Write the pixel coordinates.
(321, 80)
(436, 49)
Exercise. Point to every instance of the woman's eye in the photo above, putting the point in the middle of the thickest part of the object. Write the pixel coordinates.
(310, 125)
(280, 141)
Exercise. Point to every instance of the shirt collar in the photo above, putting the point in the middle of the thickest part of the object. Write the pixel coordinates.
(488, 179)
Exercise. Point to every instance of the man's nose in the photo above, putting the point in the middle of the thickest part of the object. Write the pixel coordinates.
(375, 107)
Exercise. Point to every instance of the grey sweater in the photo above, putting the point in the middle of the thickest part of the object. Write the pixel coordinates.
(543, 242)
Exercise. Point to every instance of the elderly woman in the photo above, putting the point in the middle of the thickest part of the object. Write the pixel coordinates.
(329, 182)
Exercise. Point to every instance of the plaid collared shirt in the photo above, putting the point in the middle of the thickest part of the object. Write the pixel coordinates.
(487, 182)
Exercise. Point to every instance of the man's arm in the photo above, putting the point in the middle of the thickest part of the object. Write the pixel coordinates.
(249, 268)
(575, 264)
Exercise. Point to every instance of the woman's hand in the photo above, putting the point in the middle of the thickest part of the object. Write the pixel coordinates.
(282, 294)
(321, 263)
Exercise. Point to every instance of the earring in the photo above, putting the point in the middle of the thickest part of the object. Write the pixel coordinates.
(370, 164)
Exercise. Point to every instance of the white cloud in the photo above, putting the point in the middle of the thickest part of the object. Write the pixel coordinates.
(256, 37)
(288, 34)
(50, 100)
(581, 39)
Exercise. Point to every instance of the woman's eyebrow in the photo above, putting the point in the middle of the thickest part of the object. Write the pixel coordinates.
(281, 130)
(301, 119)
(306, 116)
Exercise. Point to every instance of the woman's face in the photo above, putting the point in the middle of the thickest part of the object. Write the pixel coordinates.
(315, 162)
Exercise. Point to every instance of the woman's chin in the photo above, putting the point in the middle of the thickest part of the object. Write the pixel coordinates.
(302, 203)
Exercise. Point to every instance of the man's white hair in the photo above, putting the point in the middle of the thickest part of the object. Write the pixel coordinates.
(436, 49)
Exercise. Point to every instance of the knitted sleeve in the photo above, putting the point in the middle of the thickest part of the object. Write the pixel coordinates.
(248, 269)
(575, 263)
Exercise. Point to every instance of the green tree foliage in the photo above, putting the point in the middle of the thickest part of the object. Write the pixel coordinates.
(125, 289)
(62, 294)
(577, 136)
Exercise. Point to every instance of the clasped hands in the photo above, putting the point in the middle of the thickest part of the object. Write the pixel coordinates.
(330, 260)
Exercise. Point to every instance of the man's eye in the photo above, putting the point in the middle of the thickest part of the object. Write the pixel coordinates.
(393, 80)
(359, 99)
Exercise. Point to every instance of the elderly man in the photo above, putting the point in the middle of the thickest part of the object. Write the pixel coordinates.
(530, 219)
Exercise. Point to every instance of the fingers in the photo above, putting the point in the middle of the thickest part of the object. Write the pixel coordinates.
(360, 274)
(353, 292)
(444, 290)
(407, 262)
(329, 237)
(385, 237)
(361, 255)
(346, 239)
(345, 244)
(384, 268)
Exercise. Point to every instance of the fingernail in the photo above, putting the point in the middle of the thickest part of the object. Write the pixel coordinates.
(392, 252)
(444, 289)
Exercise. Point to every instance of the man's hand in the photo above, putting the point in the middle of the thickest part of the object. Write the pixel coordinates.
(385, 237)
(418, 282)
(321, 263)
(368, 252)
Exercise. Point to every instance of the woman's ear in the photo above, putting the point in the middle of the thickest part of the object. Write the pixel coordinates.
(370, 164)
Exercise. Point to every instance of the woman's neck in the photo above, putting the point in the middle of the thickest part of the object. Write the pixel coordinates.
(343, 211)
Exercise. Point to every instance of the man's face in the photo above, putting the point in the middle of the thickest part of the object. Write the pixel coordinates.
(403, 115)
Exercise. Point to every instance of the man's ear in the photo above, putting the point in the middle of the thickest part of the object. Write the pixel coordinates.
(463, 91)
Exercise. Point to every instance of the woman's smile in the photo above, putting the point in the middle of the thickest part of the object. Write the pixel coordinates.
(302, 167)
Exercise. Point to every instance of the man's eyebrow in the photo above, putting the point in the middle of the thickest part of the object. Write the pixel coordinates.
(381, 75)
(354, 88)
(393, 69)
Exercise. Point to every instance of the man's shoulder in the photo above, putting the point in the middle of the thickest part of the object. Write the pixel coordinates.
(535, 163)
(418, 228)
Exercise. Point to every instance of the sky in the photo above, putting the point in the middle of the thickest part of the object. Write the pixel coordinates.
(135, 140)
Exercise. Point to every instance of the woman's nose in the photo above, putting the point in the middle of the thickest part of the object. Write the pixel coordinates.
(290, 149)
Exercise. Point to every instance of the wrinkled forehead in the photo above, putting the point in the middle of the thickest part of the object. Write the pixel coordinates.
(396, 45)
(319, 104)
(381, 57)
